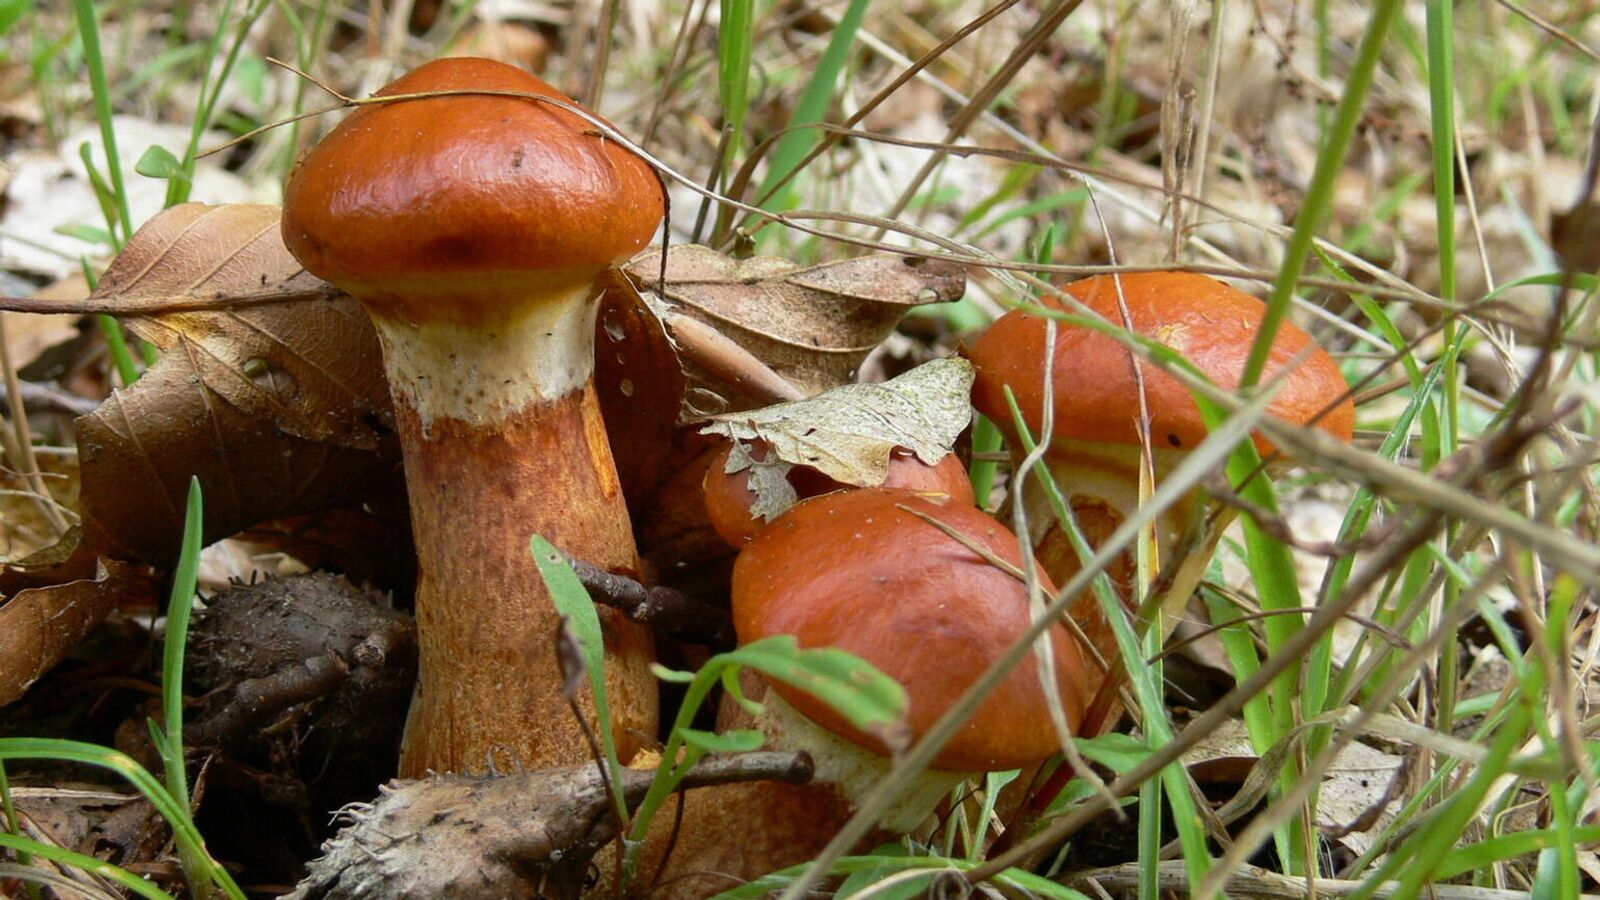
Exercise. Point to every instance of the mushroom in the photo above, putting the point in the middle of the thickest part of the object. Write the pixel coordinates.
(1095, 448)
(729, 497)
(862, 571)
(473, 228)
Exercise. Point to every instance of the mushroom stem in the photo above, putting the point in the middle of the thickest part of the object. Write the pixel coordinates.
(844, 767)
(502, 438)
(1100, 483)
(749, 829)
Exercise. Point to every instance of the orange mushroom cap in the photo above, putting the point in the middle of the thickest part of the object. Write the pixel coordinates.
(434, 189)
(1096, 395)
(729, 497)
(853, 570)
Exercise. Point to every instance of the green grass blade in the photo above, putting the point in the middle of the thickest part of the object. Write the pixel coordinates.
(14, 826)
(89, 32)
(179, 607)
(986, 438)
(735, 52)
(94, 866)
(1480, 856)
(572, 601)
(1319, 194)
(795, 145)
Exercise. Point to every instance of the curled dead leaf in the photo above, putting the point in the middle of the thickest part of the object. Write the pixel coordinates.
(139, 448)
(312, 367)
(812, 325)
(39, 625)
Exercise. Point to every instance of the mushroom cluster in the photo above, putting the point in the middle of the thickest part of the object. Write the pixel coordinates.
(472, 209)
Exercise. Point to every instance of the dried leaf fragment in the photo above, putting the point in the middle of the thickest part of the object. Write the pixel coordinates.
(848, 433)
(279, 408)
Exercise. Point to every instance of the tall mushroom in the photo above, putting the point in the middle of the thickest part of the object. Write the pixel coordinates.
(1095, 448)
(473, 227)
(862, 571)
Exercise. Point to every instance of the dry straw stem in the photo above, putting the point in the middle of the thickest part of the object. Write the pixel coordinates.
(20, 449)
(1252, 883)
(1388, 285)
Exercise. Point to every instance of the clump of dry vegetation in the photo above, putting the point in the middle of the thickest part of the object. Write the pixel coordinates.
(1379, 685)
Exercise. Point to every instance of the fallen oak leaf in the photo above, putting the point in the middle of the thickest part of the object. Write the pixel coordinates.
(138, 450)
(280, 409)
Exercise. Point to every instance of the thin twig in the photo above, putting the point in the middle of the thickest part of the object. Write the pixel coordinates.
(661, 607)
(26, 462)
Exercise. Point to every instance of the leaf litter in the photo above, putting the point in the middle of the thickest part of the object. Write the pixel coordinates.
(849, 432)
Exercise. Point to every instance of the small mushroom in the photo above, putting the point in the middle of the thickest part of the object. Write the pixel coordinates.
(861, 571)
(1095, 446)
(474, 228)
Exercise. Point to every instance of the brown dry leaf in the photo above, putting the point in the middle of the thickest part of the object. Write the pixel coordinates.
(1575, 234)
(280, 409)
(812, 325)
(19, 99)
(139, 448)
(313, 366)
(38, 626)
(507, 42)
